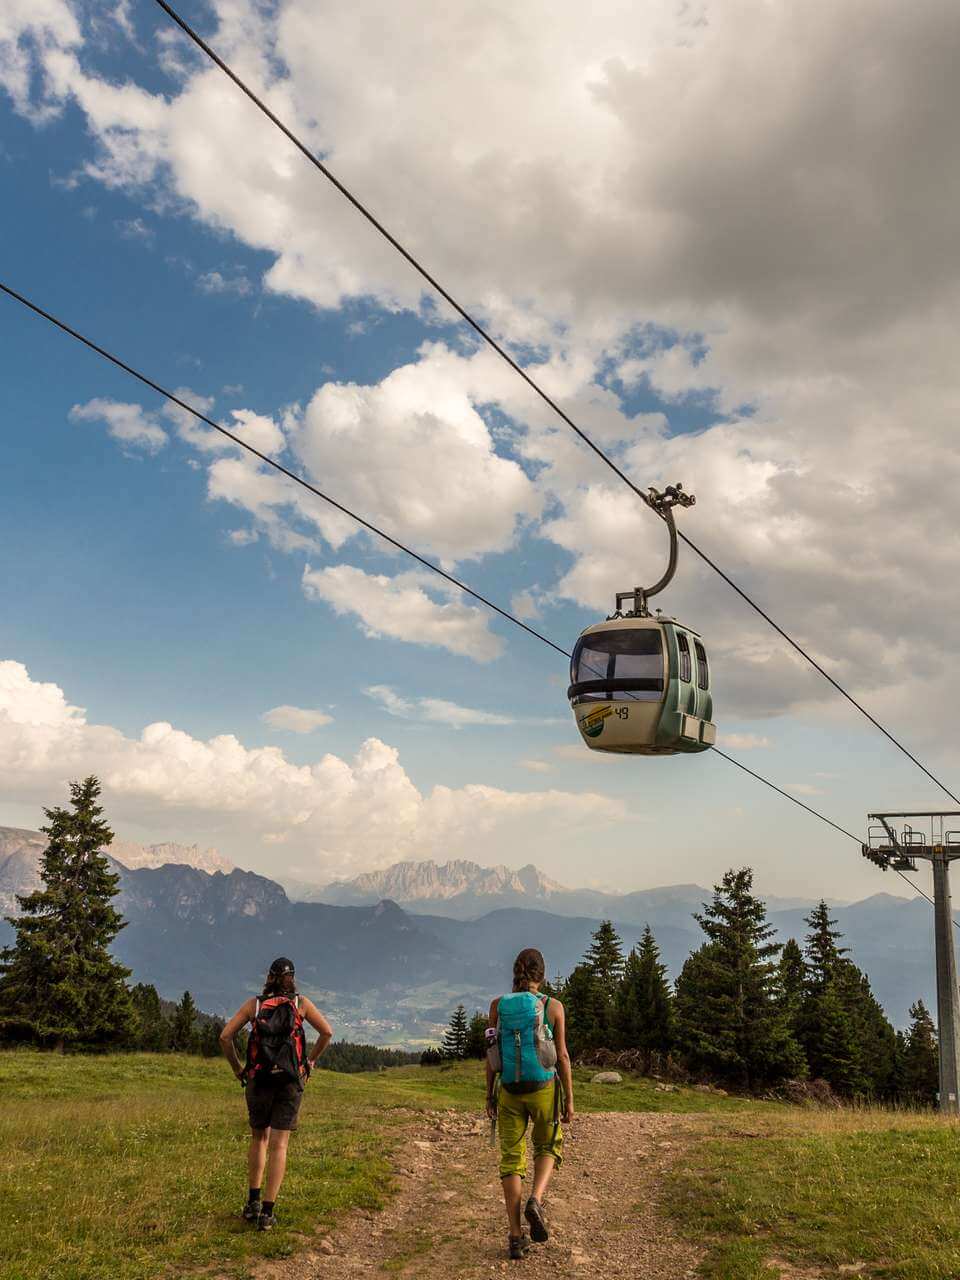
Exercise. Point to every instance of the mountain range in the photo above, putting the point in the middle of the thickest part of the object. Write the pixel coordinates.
(463, 890)
(389, 974)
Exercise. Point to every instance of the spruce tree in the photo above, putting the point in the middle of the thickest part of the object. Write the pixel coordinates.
(184, 1035)
(605, 956)
(644, 1007)
(59, 984)
(476, 1045)
(152, 1034)
(455, 1037)
(729, 1019)
(837, 1056)
(823, 954)
(845, 1034)
(920, 1071)
(586, 1009)
(209, 1039)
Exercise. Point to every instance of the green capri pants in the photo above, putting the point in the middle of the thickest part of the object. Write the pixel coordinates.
(513, 1112)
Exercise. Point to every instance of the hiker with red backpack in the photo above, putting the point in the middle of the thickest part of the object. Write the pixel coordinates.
(528, 1079)
(273, 1077)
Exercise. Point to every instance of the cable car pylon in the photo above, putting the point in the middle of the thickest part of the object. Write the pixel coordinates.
(639, 682)
(889, 847)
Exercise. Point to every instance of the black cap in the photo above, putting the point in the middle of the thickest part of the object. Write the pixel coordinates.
(280, 966)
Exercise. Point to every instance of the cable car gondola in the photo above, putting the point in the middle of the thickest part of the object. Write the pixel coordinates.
(639, 682)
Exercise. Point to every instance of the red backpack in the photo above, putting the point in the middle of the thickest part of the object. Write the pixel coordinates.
(277, 1047)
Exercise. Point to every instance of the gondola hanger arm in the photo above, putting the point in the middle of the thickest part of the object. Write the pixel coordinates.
(662, 502)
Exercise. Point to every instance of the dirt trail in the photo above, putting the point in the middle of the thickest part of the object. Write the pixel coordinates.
(446, 1220)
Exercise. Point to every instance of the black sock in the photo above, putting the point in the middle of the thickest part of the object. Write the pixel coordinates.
(254, 1194)
(267, 1206)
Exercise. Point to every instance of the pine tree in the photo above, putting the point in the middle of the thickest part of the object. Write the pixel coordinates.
(729, 1020)
(60, 985)
(184, 1036)
(587, 1011)
(823, 954)
(644, 1006)
(476, 1045)
(920, 1080)
(455, 1037)
(605, 956)
(209, 1038)
(152, 1034)
(838, 1056)
(845, 1034)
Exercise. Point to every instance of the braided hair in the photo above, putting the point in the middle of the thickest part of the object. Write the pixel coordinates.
(528, 968)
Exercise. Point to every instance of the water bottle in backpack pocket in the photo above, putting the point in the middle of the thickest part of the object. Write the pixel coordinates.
(525, 1045)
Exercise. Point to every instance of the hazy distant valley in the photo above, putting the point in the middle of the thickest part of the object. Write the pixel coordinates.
(390, 953)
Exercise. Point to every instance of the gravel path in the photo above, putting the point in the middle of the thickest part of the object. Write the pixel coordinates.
(447, 1218)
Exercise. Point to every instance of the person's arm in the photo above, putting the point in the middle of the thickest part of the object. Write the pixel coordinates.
(322, 1027)
(243, 1015)
(558, 1019)
(491, 1022)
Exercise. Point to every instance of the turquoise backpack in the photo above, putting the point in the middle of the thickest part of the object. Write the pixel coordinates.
(524, 1052)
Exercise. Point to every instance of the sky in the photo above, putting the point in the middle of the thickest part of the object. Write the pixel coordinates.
(721, 235)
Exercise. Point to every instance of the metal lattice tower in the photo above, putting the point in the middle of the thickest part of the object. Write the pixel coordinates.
(923, 835)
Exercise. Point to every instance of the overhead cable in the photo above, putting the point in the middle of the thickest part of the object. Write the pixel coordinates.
(501, 351)
(277, 466)
(364, 523)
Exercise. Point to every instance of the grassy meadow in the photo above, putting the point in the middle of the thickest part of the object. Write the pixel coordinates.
(855, 1192)
(132, 1167)
(127, 1165)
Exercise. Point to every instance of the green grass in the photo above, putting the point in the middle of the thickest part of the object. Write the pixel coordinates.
(874, 1188)
(128, 1165)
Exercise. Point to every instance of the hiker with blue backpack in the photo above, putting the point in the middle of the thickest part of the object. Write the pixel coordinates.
(528, 1080)
(273, 1078)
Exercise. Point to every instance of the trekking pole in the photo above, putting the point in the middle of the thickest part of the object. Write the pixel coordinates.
(496, 1107)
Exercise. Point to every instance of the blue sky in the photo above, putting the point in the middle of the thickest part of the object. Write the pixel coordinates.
(129, 589)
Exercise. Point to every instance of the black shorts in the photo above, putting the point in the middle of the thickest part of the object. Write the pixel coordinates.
(272, 1105)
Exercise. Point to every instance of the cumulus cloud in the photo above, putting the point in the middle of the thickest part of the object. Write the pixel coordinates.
(236, 284)
(289, 719)
(128, 423)
(337, 812)
(440, 711)
(434, 709)
(744, 205)
(743, 741)
(429, 467)
(402, 608)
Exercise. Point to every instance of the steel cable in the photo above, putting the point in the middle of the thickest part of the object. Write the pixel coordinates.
(488, 338)
(366, 524)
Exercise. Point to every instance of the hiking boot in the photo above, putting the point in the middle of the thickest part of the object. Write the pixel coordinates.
(538, 1225)
(251, 1211)
(266, 1221)
(517, 1247)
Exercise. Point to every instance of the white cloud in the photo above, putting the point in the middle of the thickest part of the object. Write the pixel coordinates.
(236, 284)
(535, 766)
(338, 813)
(289, 719)
(430, 472)
(31, 32)
(440, 711)
(741, 202)
(400, 607)
(128, 423)
(136, 229)
(802, 789)
(243, 537)
(743, 741)
(434, 710)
